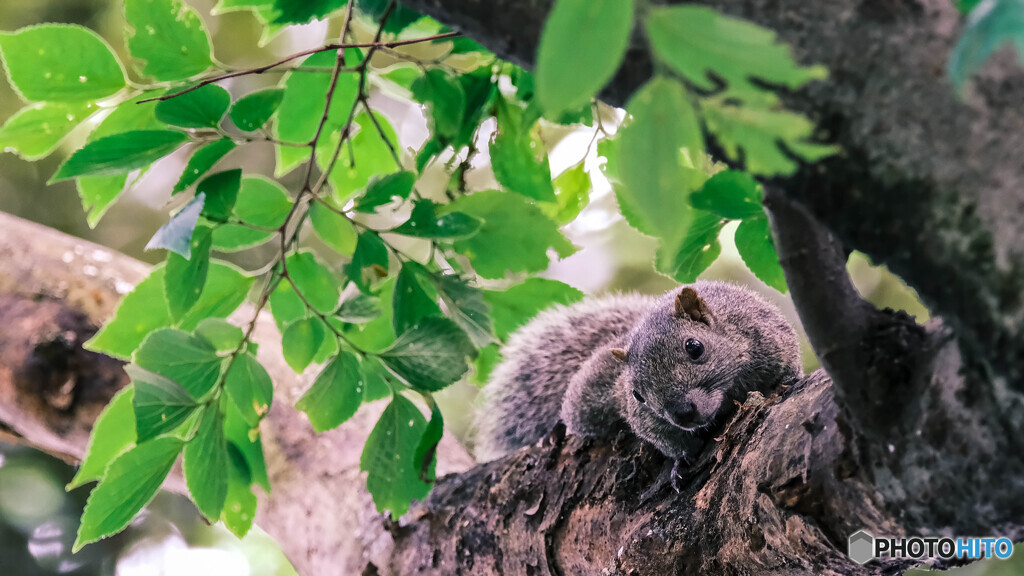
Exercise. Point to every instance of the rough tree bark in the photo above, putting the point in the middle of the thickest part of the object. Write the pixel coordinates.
(917, 431)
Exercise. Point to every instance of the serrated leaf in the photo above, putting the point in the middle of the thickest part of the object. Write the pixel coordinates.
(517, 305)
(431, 355)
(221, 334)
(755, 245)
(254, 110)
(410, 301)
(286, 306)
(142, 311)
(161, 405)
(445, 99)
(201, 108)
(698, 249)
(226, 289)
(120, 153)
(581, 46)
(758, 132)
(60, 63)
(519, 160)
(250, 388)
(167, 38)
(176, 234)
(221, 192)
(262, 202)
(247, 441)
(731, 194)
(426, 450)
(466, 306)
(335, 395)
(359, 309)
(389, 458)
(35, 131)
(238, 237)
(334, 229)
(203, 159)
(205, 464)
(185, 278)
(186, 359)
(425, 223)
(112, 435)
(385, 190)
(239, 502)
(698, 40)
(369, 259)
(130, 483)
(300, 342)
(370, 157)
(572, 193)
(313, 281)
(515, 236)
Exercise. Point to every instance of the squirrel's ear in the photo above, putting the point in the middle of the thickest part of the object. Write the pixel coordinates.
(689, 305)
(619, 354)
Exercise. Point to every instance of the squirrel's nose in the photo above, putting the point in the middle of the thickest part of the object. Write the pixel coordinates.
(684, 413)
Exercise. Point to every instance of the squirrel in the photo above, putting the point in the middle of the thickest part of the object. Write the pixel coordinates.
(671, 368)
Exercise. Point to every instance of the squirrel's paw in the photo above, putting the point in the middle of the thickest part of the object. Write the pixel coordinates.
(675, 475)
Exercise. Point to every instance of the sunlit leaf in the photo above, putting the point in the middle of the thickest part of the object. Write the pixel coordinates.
(431, 355)
(250, 388)
(731, 194)
(425, 223)
(755, 245)
(186, 359)
(205, 464)
(389, 458)
(112, 435)
(517, 305)
(120, 153)
(300, 342)
(203, 159)
(167, 38)
(200, 108)
(386, 189)
(335, 395)
(185, 278)
(254, 110)
(334, 229)
(60, 63)
(314, 281)
(35, 131)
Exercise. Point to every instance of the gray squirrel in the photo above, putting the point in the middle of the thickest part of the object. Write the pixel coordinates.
(671, 368)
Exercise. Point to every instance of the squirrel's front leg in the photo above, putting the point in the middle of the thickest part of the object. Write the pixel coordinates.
(589, 406)
(686, 456)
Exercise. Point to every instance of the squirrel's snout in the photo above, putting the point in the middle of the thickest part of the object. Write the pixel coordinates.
(684, 414)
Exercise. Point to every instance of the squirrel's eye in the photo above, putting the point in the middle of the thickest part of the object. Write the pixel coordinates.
(638, 397)
(694, 348)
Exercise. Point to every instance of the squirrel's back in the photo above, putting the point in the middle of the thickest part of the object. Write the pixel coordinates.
(524, 394)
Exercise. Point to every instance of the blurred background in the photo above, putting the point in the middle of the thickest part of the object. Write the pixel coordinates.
(38, 518)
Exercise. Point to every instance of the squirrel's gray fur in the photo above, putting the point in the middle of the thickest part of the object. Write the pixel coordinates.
(561, 365)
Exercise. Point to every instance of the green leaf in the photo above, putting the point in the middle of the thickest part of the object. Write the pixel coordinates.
(581, 47)
(142, 311)
(334, 229)
(431, 355)
(359, 309)
(519, 160)
(379, 383)
(485, 364)
(182, 357)
(386, 189)
(466, 306)
(335, 395)
(997, 23)
(378, 333)
(300, 342)
(254, 110)
(247, 441)
(445, 99)
(758, 132)
(697, 40)
(133, 114)
(206, 464)
(697, 250)
(400, 18)
(426, 450)
(657, 175)
(203, 159)
(60, 63)
(112, 435)
(755, 245)
(262, 202)
(226, 289)
(286, 306)
(731, 194)
(239, 502)
(184, 278)
(425, 223)
(411, 303)
(201, 108)
(168, 39)
(250, 388)
(120, 153)
(369, 262)
(35, 131)
(176, 235)
(572, 193)
(965, 6)
(98, 194)
(161, 404)
(221, 334)
(517, 305)
(130, 483)
(515, 236)
(370, 157)
(313, 281)
(302, 12)
(221, 192)
(236, 237)
(389, 458)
